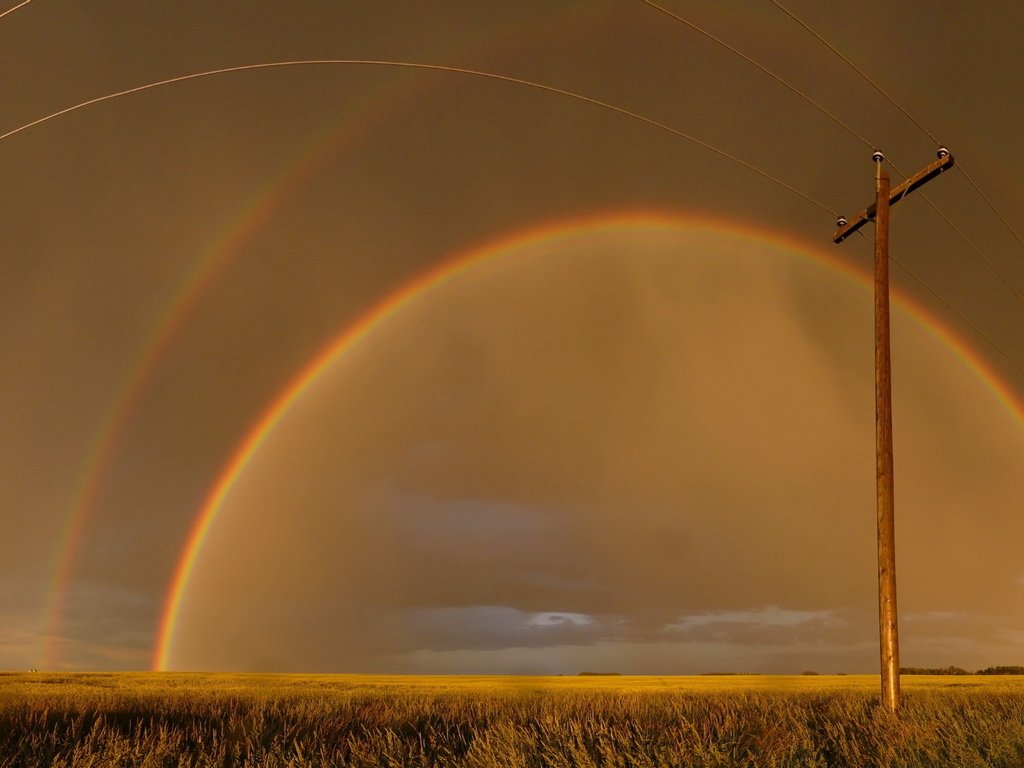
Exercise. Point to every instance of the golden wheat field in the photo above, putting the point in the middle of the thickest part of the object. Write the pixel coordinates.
(51, 719)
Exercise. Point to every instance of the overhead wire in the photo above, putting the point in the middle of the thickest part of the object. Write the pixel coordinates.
(963, 236)
(12, 10)
(990, 204)
(871, 81)
(918, 279)
(428, 67)
(854, 67)
(773, 75)
(938, 297)
(973, 247)
(782, 81)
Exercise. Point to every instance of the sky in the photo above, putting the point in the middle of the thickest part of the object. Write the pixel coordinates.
(367, 368)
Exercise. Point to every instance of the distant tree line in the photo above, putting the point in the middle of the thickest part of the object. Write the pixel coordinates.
(960, 671)
(1001, 671)
(933, 671)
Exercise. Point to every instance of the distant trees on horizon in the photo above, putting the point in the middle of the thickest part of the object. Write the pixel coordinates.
(950, 670)
(1002, 670)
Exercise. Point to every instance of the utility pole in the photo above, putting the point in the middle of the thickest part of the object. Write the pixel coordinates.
(888, 636)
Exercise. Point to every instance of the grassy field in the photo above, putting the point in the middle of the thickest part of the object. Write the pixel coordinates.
(342, 720)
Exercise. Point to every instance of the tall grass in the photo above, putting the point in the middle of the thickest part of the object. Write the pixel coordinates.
(110, 720)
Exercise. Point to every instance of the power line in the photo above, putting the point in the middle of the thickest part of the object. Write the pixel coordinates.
(963, 317)
(870, 81)
(776, 77)
(975, 248)
(938, 297)
(970, 180)
(963, 236)
(970, 244)
(854, 67)
(12, 10)
(433, 68)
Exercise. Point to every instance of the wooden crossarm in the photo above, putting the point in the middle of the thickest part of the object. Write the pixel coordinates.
(897, 193)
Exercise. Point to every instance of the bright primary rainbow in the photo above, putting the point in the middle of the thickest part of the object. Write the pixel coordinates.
(433, 279)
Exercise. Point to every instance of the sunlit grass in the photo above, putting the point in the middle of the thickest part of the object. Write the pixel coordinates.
(305, 720)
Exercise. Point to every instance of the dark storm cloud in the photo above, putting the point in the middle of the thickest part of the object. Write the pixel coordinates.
(493, 627)
(487, 627)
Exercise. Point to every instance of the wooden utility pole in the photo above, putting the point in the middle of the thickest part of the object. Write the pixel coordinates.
(885, 197)
(888, 636)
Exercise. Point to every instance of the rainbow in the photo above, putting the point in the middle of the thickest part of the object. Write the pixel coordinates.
(250, 218)
(293, 174)
(449, 272)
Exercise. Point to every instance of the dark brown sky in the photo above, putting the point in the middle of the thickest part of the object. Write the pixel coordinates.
(645, 450)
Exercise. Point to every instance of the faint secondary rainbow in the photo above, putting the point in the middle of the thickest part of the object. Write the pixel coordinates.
(251, 216)
(452, 270)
